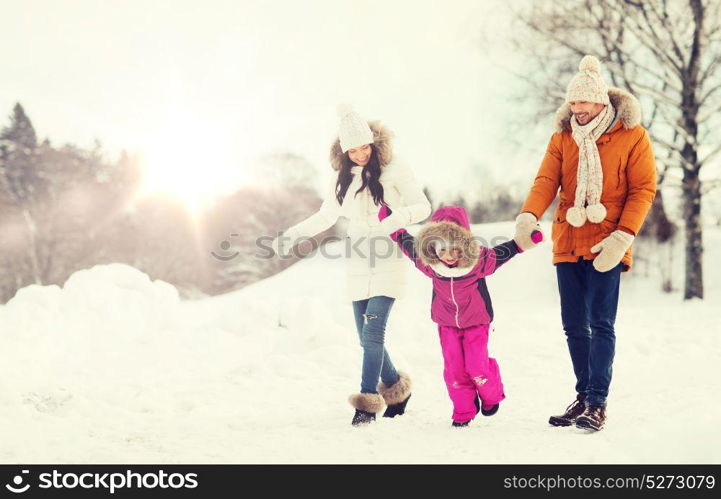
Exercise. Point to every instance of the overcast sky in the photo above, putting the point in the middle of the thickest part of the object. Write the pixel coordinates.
(252, 77)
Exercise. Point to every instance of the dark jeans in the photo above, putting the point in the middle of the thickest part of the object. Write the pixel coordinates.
(589, 300)
(371, 316)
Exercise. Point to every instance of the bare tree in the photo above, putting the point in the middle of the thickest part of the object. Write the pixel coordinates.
(668, 54)
(285, 170)
(240, 227)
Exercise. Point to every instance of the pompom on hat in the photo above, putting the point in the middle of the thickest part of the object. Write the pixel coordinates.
(353, 130)
(588, 84)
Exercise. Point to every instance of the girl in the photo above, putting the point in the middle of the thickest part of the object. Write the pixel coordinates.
(447, 252)
(368, 178)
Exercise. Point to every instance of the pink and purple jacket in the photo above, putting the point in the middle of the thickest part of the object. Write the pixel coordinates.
(460, 295)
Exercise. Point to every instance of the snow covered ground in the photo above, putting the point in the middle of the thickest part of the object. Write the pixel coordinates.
(115, 368)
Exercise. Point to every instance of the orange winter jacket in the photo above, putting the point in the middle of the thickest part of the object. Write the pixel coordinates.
(629, 181)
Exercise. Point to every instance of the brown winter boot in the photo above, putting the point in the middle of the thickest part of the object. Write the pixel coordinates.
(396, 395)
(366, 405)
(592, 418)
(572, 412)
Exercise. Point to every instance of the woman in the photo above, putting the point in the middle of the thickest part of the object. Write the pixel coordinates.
(367, 180)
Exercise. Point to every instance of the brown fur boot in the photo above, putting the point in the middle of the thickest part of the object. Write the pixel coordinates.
(396, 396)
(366, 405)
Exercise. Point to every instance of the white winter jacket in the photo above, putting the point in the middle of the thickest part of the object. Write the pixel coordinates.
(374, 265)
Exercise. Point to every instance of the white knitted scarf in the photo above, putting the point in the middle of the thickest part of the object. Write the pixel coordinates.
(589, 178)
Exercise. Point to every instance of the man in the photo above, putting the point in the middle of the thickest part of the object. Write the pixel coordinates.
(601, 159)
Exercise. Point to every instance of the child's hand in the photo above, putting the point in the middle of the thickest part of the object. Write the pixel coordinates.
(383, 213)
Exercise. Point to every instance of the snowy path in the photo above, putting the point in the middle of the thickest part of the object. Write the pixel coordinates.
(114, 368)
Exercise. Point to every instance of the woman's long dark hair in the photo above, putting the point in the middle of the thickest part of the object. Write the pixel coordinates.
(371, 177)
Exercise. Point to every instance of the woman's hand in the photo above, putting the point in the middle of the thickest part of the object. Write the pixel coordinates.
(389, 222)
(282, 245)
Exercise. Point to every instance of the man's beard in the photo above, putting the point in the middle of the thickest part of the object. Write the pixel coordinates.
(588, 118)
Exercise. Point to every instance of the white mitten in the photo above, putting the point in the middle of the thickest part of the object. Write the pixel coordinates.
(526, 224)
(391, 224)
(612, 249)
(282, 245)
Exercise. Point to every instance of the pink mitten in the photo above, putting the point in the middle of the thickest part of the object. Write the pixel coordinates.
(383, 213)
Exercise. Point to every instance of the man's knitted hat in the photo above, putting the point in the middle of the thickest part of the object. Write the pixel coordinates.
(588, 84)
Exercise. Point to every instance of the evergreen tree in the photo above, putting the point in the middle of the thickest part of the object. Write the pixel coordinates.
(18, 148)
(20, 131)
(21, 181)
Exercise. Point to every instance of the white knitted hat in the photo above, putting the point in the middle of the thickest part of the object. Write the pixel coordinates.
(588, 84)
(353, 131)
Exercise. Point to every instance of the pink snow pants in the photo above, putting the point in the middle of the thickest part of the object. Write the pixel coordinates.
(468, 370)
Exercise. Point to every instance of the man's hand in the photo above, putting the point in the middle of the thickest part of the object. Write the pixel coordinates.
(612, 249)
(526, 224)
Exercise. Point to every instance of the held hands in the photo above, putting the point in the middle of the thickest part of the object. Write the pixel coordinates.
(389, 223)
(389, 226)
(612, 249)
(528, 232)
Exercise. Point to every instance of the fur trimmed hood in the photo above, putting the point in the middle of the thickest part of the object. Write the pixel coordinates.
(382, 137)
(628, 110)
(449, 225)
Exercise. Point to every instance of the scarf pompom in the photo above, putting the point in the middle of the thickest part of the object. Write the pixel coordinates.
(576, 216)
(596, 213)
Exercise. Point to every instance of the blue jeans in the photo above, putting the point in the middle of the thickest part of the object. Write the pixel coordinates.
(589, 300)
(371, 316)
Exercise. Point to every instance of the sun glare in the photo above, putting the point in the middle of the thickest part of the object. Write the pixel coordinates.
(195, 165)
